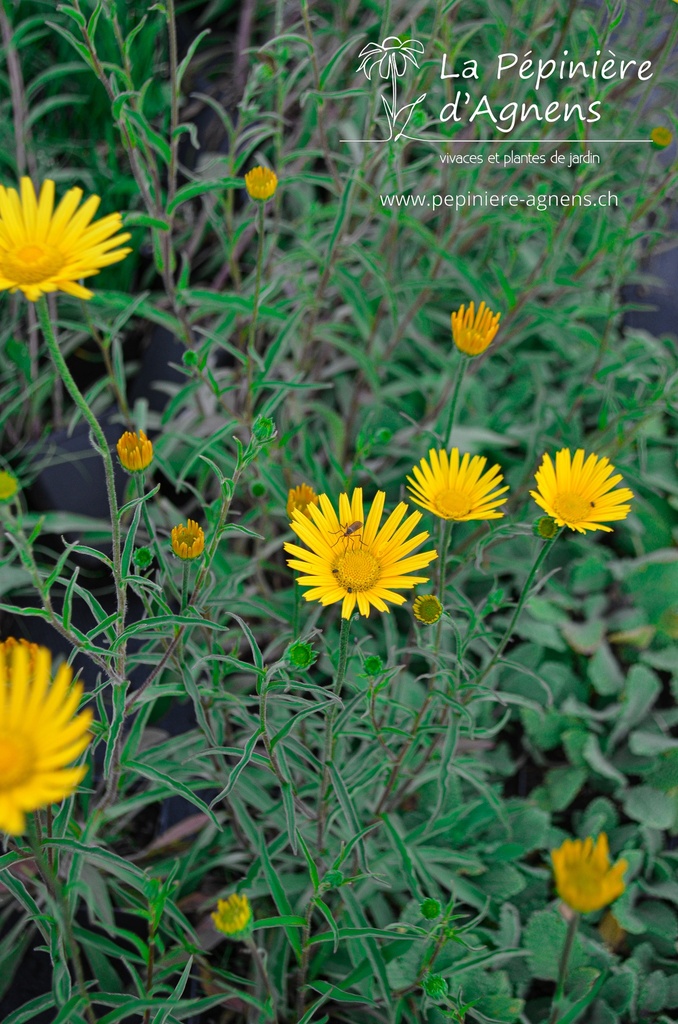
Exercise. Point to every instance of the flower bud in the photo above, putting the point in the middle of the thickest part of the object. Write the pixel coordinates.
(142, 558)
(301, 654)
(435, 986)
(430, 909)
(545, 527)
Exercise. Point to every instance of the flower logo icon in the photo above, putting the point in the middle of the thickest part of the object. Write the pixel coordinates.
(392, 57)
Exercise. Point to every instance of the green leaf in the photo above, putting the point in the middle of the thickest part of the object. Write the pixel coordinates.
(562, 785)
(173, 786)
(118, 866)
(193, 191)
(404, 855)
(640, 693)
(134, 219)
(604, 671)
(247, 755)
(119, 692)
(584, 637)
(544, 938)
(27, 1013)
(347, 807)
(285, 920)
(327, 914)
(280, 898)
(290, 814)
(190, 53)
(650, 807)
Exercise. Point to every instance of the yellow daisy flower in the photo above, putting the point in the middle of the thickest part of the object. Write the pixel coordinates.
(233, 916)
(39, 736)
(300, 498)
(260, 183)
(9, 485)
(472, 332)
(188, 541)
(351, 559)
(580, 494)
(46, 250)
(459, 490)
(135, 451)
(584, 878)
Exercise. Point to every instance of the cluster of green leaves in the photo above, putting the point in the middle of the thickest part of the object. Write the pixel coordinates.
(438, 787)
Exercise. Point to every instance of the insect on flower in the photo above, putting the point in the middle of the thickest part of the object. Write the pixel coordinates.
(349, 530)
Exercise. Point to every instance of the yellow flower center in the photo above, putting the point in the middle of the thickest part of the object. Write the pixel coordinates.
(357, 570)
(453, 504)
(31, 263)
(572, 508)
(17, 758)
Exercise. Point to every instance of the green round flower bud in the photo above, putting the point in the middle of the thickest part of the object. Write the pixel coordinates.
(142, 558)
(190, 358)
(301, 655)
(257, 489)
(383, 435)
(263, 429)
(333, 879)
(435, 986)
(545, 527)
(430, 909)
(373, 666)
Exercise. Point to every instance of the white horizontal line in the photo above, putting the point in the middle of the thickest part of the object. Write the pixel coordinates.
(513, 142)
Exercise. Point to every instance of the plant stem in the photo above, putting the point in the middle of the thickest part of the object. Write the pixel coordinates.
(329, 725)
(263, 973)
(252, 339)
(101, 445)
(446, 530)
(149, 970)
(446, 533)
(295, 611)
(174, 99)
(55, 889)
(167, 577)
(525, 593)
(184, 585)
(449, 427)
(572, 926)
(305, 959)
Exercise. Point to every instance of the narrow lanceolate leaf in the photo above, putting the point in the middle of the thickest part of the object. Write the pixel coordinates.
(280, 898)
(404, 855)
(312, 869)
(327, 914)
(119, 692)
(367, 942)
(344, 798)
(239, 768)
(173, 786)
(290, 814)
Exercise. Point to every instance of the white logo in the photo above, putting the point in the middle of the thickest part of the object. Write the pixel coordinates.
(391, 57)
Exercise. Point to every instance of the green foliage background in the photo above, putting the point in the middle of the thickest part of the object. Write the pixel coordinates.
(439, 787)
